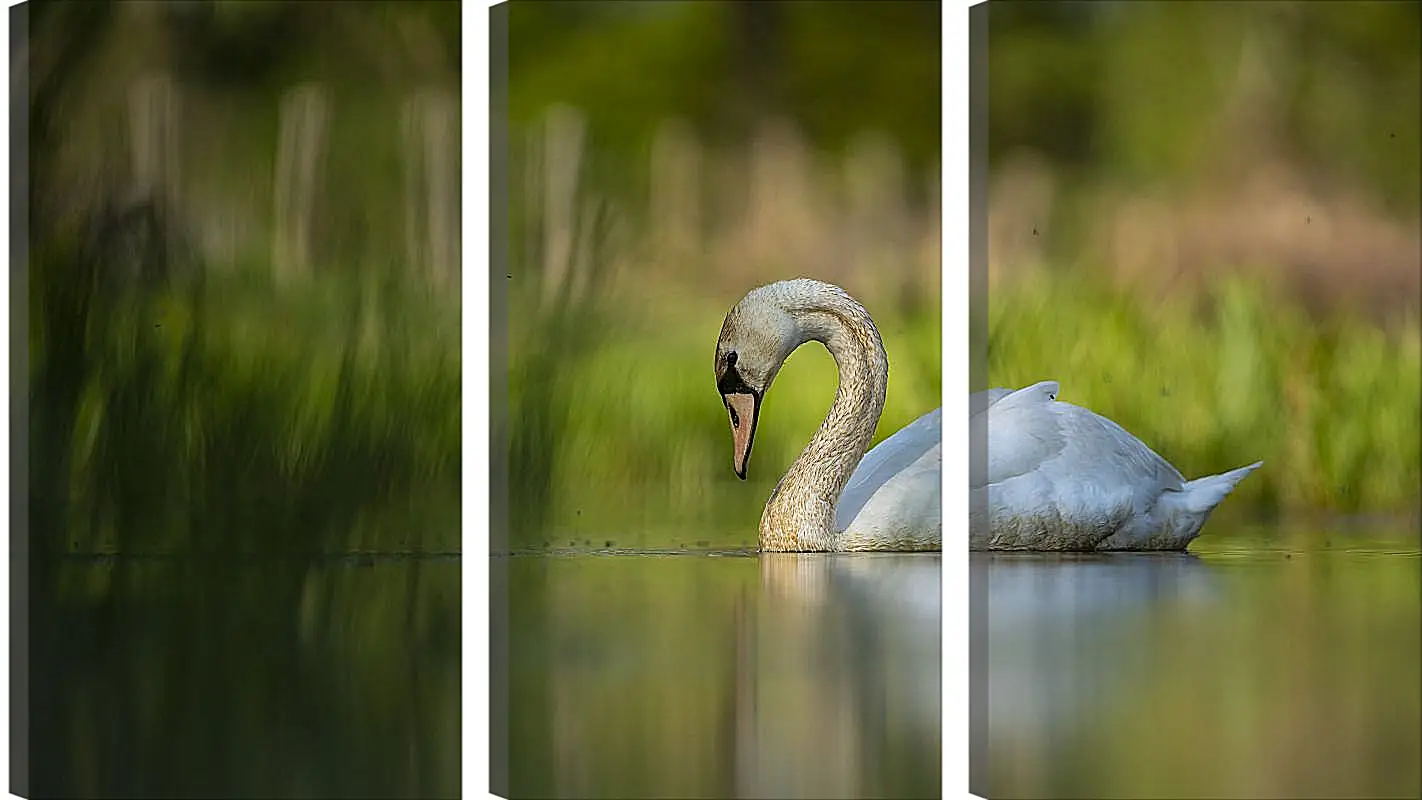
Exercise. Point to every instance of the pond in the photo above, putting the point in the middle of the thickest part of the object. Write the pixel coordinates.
(1260, 664)
(1265, 663)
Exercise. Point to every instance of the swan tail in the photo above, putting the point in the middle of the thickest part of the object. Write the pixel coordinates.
(1201, 495)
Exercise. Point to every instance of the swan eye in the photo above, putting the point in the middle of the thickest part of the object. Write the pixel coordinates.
(731, 359)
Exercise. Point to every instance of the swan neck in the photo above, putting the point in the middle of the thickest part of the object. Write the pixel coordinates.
(800, 514)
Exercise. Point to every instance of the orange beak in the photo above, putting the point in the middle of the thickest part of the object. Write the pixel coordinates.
(744, 410)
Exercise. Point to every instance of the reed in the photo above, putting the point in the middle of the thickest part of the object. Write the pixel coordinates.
(204, 380)
(234, 414)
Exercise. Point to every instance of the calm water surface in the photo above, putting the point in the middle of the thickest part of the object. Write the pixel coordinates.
(245, 677)
(1257, 666)
(1264, 664)
(732, 675)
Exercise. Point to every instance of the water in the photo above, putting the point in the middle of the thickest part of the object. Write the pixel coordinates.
(724, 675)
(245, 677)
(1257, 667)
(1264, 664)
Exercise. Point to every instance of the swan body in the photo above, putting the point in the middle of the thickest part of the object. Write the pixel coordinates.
(833, 498)
(1060, 477)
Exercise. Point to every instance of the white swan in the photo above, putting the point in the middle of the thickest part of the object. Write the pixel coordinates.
(823, 503)
(1059, 477)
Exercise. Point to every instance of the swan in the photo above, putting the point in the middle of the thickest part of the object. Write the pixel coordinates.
(1058, 476)
(1061, 477)
(834, 497)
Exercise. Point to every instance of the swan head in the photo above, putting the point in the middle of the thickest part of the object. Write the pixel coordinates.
(756, 338)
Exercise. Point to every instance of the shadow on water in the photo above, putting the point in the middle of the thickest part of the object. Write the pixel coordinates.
(725, 675)
(1281, 666)
(247, 677)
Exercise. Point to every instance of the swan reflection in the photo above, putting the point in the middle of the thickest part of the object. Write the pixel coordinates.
(1058, 638)
(841, 676)
(775, 675)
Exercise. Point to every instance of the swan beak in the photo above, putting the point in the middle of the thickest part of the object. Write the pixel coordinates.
(744, 409)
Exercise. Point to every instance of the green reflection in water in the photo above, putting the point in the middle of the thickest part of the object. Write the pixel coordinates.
(724, 675)
(256, 677)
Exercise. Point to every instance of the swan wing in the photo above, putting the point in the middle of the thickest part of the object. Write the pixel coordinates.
(978, 402)
(1107, 453)
(1031, 432)
(1023, 432)
(912, 455)
(904, 513)
(1063, 466)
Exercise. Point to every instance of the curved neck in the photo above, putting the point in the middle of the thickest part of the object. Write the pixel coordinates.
(801, 510)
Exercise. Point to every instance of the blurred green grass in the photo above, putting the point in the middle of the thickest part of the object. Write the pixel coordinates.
(228, 412)
(1223, 377)
(243, 319)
